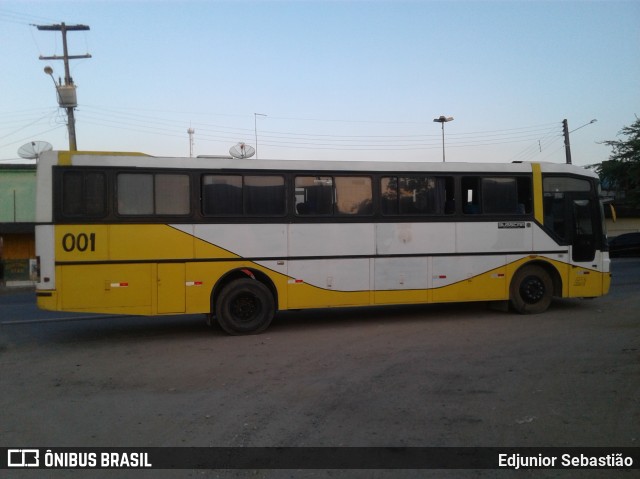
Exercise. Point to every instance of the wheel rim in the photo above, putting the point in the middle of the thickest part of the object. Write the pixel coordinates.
(245, 307)
(532, 290)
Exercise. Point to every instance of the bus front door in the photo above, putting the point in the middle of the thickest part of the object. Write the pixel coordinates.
(584, 234)
(585, 277)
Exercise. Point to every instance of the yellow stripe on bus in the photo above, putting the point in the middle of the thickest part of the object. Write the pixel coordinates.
(537, 193)
(64, 157)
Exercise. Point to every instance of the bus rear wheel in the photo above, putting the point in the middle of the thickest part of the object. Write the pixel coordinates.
(531, 290)
(244, 306)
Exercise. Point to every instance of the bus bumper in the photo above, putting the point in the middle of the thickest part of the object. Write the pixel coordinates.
(47, 299)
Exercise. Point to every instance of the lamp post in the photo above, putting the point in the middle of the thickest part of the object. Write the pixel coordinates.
(255, 127)
(443, 119)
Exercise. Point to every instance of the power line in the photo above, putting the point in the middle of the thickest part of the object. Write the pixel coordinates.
(308, 139)
(12, 16)
(335, 120)
(551, 136)
(23, 117)
(23, 127)
(482, 133)
(27, 138)
(540, 136)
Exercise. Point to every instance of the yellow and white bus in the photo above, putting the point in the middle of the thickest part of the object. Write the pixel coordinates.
(239, 240)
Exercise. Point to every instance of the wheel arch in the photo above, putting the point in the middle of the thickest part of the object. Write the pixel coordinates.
(550, 269)
(242, 273)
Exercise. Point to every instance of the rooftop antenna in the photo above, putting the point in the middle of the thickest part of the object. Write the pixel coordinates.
(33, 149)
(191, 131)
(242, 150)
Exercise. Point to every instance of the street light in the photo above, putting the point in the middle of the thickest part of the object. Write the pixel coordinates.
(443, 119)
(49, 71)
(586, 124)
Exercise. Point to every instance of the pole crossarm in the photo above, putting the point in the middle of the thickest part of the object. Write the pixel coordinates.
(68, 57)
(63, 26)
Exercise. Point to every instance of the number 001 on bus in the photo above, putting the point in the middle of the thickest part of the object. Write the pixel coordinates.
(239, 240)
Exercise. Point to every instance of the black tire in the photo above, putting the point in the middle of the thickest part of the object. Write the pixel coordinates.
(531, 290)
(244, 306)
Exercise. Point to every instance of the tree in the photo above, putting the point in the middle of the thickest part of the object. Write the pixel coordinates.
(621, 172)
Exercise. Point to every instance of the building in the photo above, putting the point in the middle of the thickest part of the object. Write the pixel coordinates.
(17, 224)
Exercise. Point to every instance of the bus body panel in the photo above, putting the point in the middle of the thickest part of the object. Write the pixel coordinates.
(495, 236)
(154, 242)
(183, 282)
(415, 238)
(587, 280)
(107, 288)
(45, 248)
(171, 290)
(238, 240)
(397, 274)
(471, 278)
(151, 267)
(331, 240)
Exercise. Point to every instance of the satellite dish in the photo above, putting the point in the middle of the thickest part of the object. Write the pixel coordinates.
(242, 150)
(33, 149)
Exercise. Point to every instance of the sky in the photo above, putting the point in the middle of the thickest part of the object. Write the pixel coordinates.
(326, 80)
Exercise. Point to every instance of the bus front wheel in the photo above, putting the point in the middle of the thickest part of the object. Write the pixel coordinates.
(244, 306)
(531, 290)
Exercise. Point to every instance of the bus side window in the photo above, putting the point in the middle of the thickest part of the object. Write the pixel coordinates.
(389, 195)
(153, 194)
(353, 195)
(500, 196)
(83, 194)
(222, 195)
(314, 195)
(264, 195)
(525, 195)
(417, 195)
(471, 195)
(135, 194)
(172, 194)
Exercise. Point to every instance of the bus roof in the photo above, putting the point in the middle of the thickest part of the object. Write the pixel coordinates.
(140, 160)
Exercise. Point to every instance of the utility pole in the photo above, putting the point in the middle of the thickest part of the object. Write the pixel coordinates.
(567, 146)
(66, 93)
(191, 131)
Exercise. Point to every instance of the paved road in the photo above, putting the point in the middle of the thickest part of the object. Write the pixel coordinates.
(435, 375)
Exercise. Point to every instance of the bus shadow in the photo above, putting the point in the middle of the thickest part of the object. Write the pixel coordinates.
(397, 314)
(105, 329)
(315, 319)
